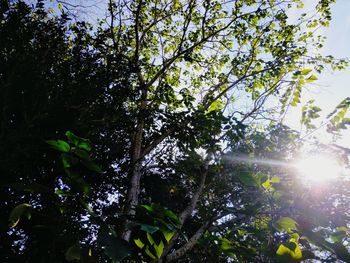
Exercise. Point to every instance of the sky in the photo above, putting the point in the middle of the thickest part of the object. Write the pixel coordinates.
(331, 87)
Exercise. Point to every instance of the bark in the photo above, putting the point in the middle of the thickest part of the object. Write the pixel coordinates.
(188, 246)
(189, 209)
(136, 150)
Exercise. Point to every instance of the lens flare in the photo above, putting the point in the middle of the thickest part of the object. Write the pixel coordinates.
(317, 167)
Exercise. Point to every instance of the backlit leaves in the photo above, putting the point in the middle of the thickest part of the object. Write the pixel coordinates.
(59, 145)
(286, 224)
(337, 118)
(291, 249)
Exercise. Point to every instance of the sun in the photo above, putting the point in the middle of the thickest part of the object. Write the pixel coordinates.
(317, 167)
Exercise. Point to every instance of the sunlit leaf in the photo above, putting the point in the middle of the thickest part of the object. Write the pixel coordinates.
(311, 78)
(275, 180)
(267, 184)
(59, 145)
(306, 71)
(292, 249)
(285, 224)
(215, 106)
(150, 239)
(159, 248)
(139, 243)
(168, 234)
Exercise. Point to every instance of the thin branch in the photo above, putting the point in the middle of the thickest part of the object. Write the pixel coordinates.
(189, 244)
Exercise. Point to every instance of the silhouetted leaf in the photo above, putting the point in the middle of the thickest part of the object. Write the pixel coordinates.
(73, 253)
(22, 210)
(114, 247)
(247, 178)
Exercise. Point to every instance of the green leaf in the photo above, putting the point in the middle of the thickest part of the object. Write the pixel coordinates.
(275, 180)
(311, 78)
(267, 185)
(215, 106)
(148, 228)
(139, 243)
(338, 236)
(286, 224)
(149, 208)
(159, 248)
(171, 215)
(341, 251)
(247, 178)
(306, 71)
(292, 249)
(115, 248)
(81, 185)
(225, 244)
(78, 141)
(168, 234)
(82, 154)
(343, 228)
(149, 253)
(150, 239)
(22, 210)
(73, 253)
(61, 192)
(92, 166)
(59, 145)
(67, 160)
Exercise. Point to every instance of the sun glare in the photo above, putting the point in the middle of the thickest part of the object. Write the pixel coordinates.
(317, 167)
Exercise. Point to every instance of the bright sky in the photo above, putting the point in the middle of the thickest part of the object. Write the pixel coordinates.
(332, 87)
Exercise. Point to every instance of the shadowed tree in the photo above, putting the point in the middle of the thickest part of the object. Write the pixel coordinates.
(169, 92)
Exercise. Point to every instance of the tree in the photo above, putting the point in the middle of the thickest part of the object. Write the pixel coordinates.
(156, 88)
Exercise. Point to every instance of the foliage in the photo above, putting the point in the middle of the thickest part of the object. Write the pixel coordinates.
(172, 168)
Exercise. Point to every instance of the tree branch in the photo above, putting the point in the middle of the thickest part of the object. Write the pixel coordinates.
(189, 244)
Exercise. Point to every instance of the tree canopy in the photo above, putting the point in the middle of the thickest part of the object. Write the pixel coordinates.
(153, 135)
